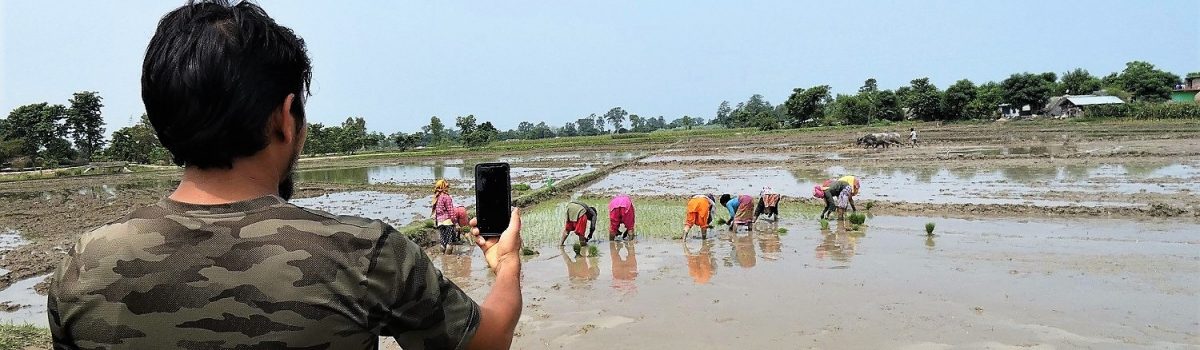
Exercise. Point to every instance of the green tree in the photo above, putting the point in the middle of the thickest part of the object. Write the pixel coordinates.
(957, 97)
(599, 124)
(988, 97)
(436, 131)
(542, 131)
(616, 116)
(319, 140)
(1028, 89)
(375, 139)
(1145, 82)
(466, 124)
(723, 114)
(405, 141)
(869, 86)
(851, 109)
(807, 104)
(886, 105)
(353, 135)
(746, 114)
(1078, 82)
(924, 100)
(38, 125)
(137, 144)
(568, 129)
(587, 126)
(85, 124)
(637, 123)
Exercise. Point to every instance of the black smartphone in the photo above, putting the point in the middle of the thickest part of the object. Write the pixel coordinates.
(493, 198)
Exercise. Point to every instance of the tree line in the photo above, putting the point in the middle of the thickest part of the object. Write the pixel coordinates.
(49, 135)
(963, 100)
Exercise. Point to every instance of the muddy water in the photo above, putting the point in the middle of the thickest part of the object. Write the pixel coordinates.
(647, 182)
(396, 209)
(32, 305)
(1083, 185)
(978, 284)
(426, 174)
(1037, 185)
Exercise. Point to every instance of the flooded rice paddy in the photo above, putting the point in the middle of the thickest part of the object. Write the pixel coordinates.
(425, 174)
(978, 283)
(982, 281)
(1110, 185)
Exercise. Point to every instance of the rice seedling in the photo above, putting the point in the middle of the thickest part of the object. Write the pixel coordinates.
(857, 218)
(929, 226)
(824, 224)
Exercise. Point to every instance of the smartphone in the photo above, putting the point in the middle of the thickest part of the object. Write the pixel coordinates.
(493, 198)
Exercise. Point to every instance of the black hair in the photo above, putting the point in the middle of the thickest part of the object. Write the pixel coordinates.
(725, 198)
(214, 73)
(591, 214)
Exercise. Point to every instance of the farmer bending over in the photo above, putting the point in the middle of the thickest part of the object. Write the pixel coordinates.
(768, 204)
(620, 212)
(578, 217)
(699, 213)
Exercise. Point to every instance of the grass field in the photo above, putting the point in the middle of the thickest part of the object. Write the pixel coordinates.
(23, 336)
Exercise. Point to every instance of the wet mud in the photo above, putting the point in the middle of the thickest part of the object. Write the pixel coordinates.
(1047, 236)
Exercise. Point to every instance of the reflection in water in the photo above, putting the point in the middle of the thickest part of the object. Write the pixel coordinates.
(770, 245)
(701, 264)
(743, 250)
(838, 245)
(458, 268)
(929, 244)
(624, 270)
(583, 268)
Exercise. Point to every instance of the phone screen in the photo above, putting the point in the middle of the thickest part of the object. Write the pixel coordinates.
(493, 202)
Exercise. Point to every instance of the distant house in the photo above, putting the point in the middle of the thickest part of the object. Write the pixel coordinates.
(1010, 111)
(1073, 105)
(1187, 92)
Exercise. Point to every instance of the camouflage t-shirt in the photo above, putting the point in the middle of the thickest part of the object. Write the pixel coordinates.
(258, 274)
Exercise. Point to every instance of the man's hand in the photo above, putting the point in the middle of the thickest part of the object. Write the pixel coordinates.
(502, 307)
(504, 252)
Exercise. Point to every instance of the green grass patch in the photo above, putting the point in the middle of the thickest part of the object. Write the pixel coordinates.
(520, 187)
(929, 226)
(657, 217)
(23, 336)
(857, 218)
(824, 224)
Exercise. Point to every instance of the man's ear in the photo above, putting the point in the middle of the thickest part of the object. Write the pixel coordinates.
(285, 122)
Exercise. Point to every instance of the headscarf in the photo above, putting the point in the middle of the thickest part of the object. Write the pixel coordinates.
(439, 187)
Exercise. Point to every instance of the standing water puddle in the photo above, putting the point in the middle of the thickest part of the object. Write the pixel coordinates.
(393, 208)
(426, 174)
(882, 287)
(1096, 185)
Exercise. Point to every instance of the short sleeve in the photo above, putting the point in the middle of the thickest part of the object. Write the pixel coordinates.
(424, 310)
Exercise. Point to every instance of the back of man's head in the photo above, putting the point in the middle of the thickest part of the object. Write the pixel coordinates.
(214, 73)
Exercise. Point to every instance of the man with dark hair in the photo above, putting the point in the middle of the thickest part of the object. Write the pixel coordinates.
(225, 261)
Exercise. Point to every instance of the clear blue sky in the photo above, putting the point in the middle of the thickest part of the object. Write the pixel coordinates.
(398, 63)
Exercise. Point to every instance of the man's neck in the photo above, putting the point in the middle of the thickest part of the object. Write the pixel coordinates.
(221, 186)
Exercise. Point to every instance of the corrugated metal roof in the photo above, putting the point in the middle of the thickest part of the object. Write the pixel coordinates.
(1094, 100)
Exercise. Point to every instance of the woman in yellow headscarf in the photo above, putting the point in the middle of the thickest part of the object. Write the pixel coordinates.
(443, 213)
